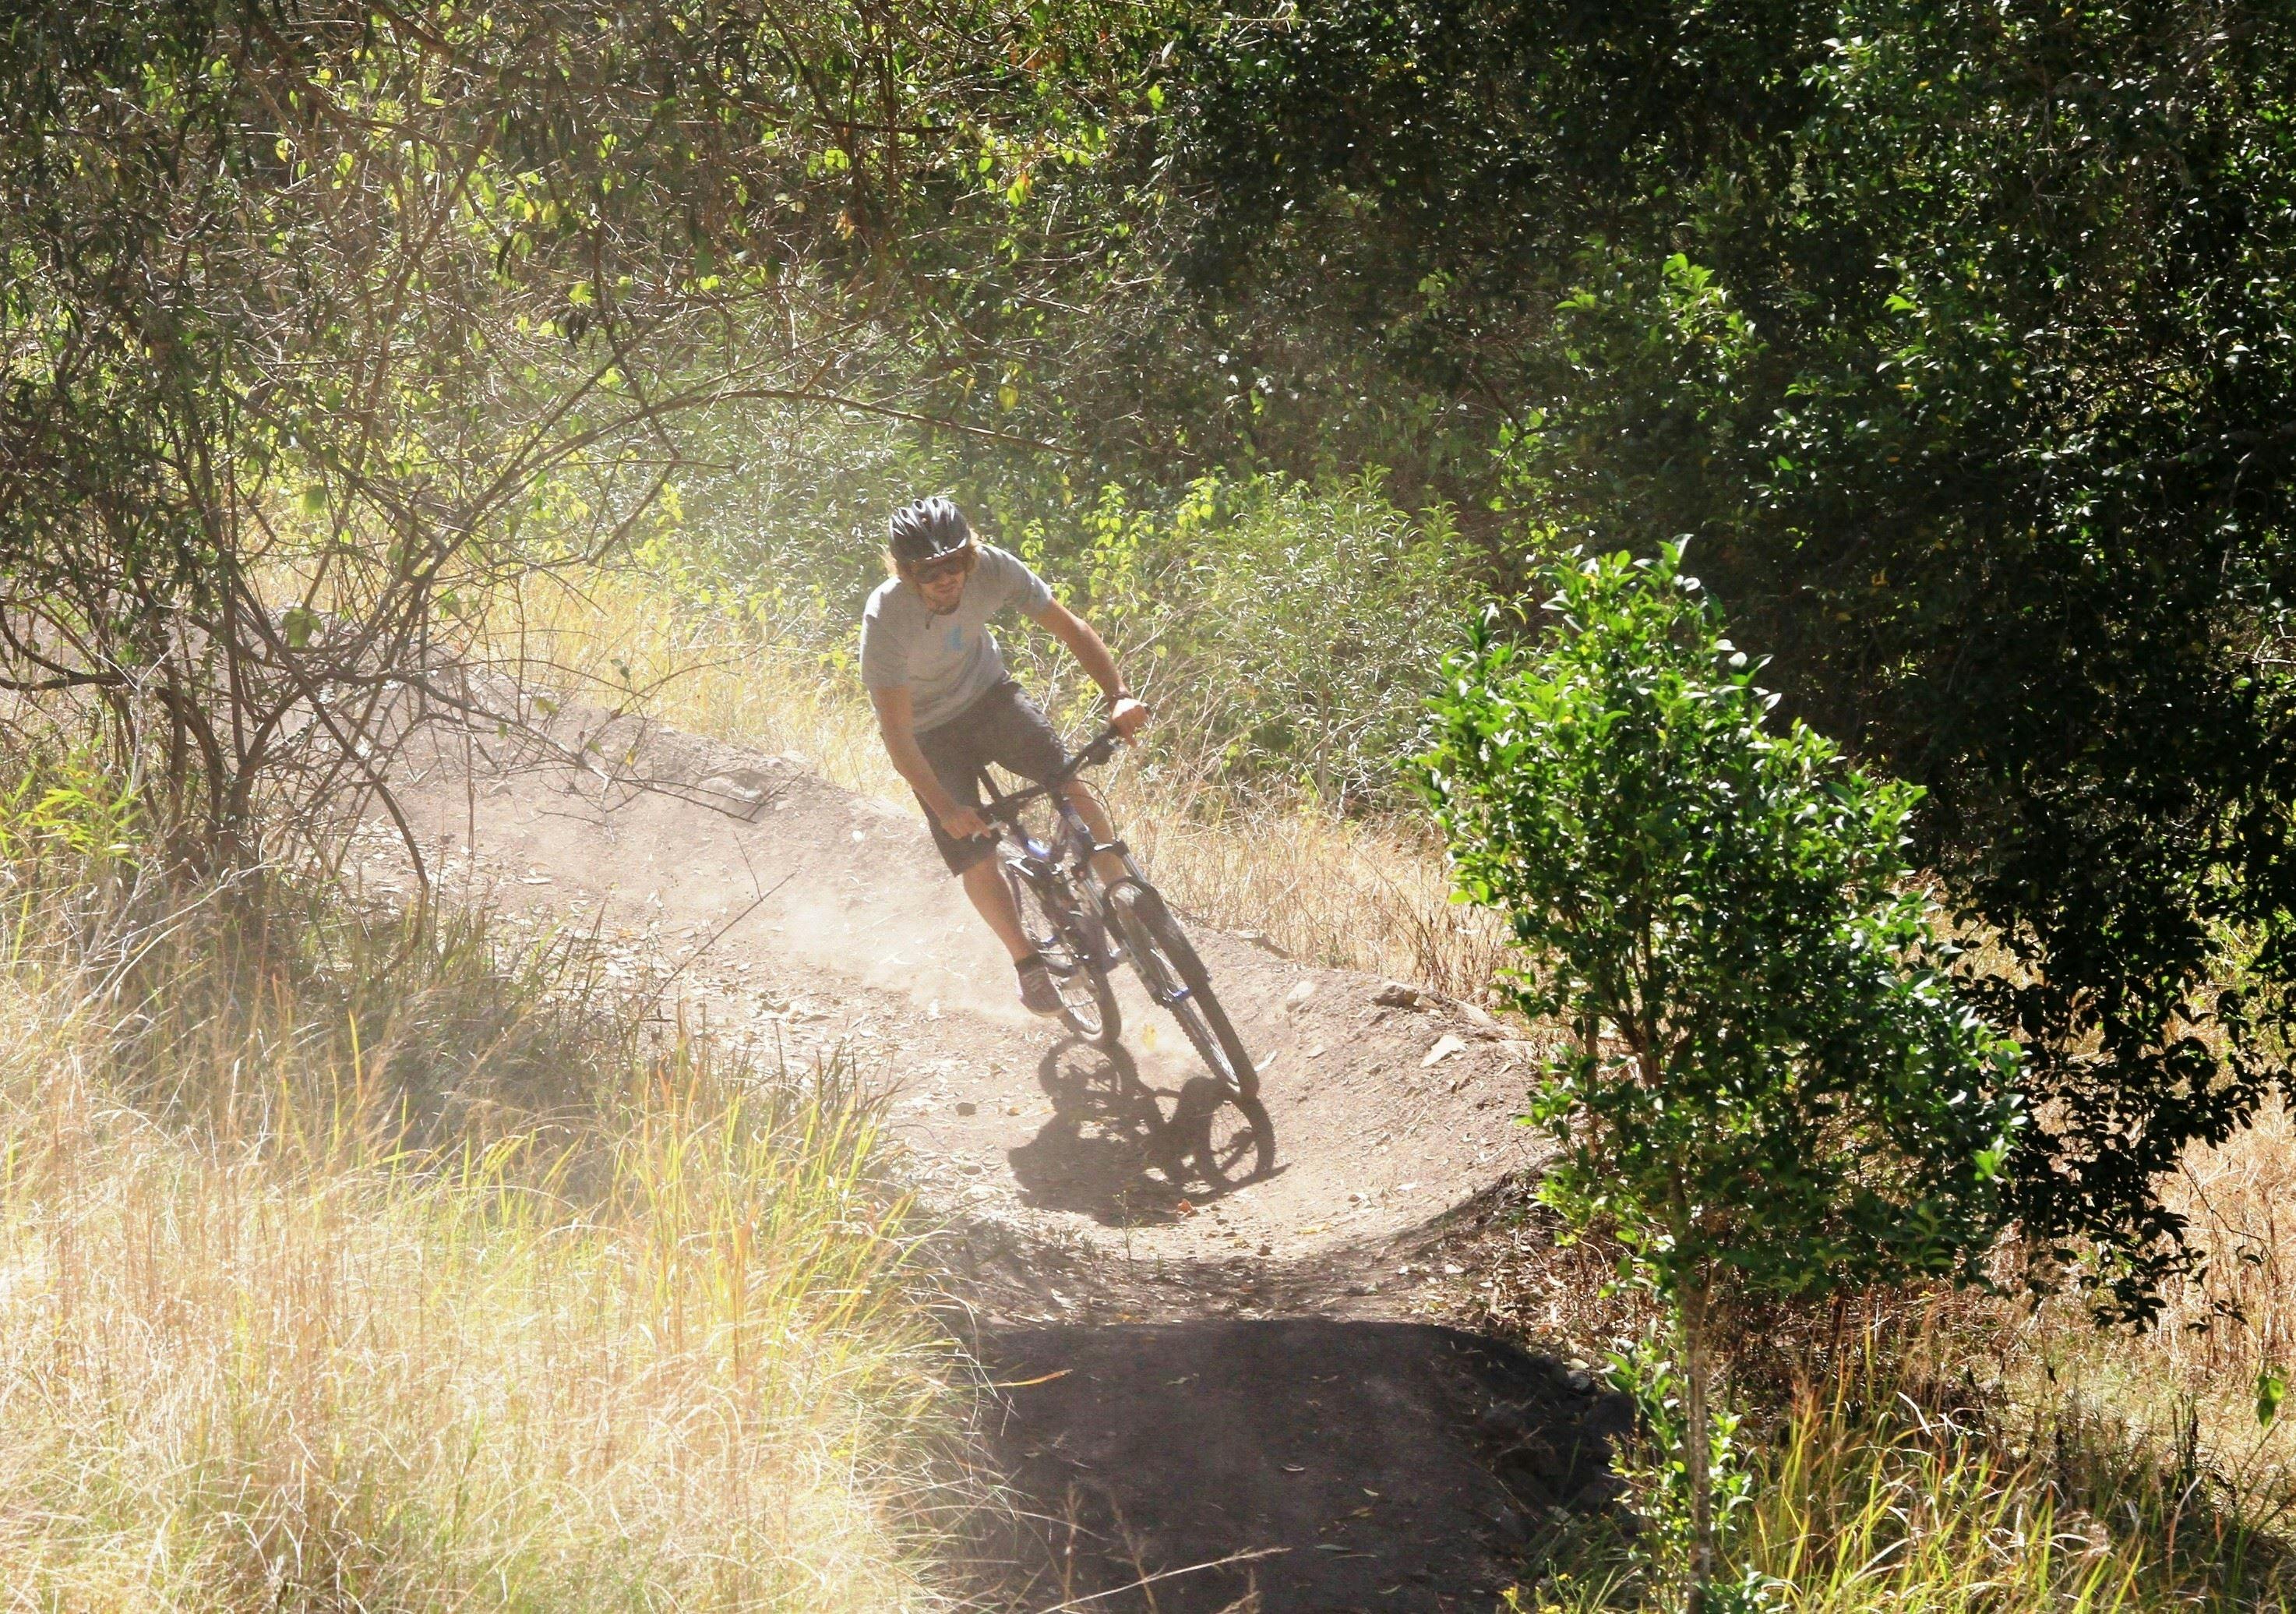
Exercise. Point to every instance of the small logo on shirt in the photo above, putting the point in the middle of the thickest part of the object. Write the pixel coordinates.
(955, 640)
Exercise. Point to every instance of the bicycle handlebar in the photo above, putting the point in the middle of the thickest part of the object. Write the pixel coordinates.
(1101, 747)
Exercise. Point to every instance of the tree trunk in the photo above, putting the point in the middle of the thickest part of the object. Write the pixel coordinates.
(1698, 1444)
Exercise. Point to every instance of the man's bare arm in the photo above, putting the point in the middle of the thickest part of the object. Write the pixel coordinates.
(1092, 653)
(896, 722)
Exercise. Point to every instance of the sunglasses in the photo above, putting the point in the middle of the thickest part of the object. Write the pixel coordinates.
(955, 565)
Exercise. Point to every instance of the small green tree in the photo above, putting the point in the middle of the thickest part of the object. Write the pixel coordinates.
(1773, 1089)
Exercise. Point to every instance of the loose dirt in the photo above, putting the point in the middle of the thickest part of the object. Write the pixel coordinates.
(1168, 1327)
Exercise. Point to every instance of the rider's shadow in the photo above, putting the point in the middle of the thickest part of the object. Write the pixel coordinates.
(1108, 1152)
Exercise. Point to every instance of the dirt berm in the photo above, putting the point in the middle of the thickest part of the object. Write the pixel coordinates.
(1190, 1376)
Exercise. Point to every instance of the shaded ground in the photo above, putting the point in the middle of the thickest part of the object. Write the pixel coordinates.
(803, 920)
(1300, 1464)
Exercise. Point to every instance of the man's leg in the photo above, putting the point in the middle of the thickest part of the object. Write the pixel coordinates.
(1085, 800)
(1016, 734)
(957, 753)
(992, 899)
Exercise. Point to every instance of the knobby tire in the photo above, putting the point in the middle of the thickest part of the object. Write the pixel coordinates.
(1088, 1005)
(1222, 1156)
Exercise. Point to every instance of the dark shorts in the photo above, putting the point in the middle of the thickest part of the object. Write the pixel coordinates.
(1002, 727)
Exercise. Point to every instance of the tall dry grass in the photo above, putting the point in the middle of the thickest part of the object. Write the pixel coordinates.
(393, 1270)
(1933, 1450)
(1894, 1510)
(1853, 1514)
(2089, 1468)
(2237, 1317)
(1356, 893)
(2179, 1402)
(1864, 1505)
(2077, 1467)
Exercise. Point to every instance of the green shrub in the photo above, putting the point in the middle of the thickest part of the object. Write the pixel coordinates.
(1774, 1091)
(1283, 631)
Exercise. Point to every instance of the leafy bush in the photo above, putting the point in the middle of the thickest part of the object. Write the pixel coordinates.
(2003, 473)
(1284, 632)
(1774, 1091)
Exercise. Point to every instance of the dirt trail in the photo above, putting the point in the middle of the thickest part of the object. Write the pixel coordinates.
(806, 918)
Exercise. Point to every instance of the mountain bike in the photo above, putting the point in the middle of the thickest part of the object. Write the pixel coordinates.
(1084, 926)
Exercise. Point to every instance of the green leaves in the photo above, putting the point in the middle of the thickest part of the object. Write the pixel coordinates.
(299, 624)
(1771, 1089)
(2271, 1389)
(1788, 1095)
(2001, 471)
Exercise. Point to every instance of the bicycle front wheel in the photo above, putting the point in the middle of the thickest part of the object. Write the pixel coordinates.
(1079, 974)
(1176, 977)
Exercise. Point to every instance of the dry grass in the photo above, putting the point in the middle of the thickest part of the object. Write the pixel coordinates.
(2182, 1398)
(1353, 893)
(1861, 1510)
(2239, 1317)
(1952, 1452)
(1854, 1515)
(2128, 1470)
(651, 1346)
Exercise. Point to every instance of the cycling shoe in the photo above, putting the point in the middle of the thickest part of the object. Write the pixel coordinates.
(1039, 995)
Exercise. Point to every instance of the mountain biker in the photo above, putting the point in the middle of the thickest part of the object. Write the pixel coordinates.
(946, 707)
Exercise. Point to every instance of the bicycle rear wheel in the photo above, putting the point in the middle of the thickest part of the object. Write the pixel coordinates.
(1176, 977)
(1055, 930)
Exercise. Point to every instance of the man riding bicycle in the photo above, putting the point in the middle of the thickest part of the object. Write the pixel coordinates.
(946, 707)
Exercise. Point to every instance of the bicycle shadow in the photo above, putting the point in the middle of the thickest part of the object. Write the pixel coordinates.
(1116, 1149)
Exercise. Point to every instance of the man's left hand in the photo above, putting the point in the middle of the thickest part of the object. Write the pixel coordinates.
(1129, 717)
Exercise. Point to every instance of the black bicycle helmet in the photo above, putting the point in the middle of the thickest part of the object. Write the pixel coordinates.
(928, 530)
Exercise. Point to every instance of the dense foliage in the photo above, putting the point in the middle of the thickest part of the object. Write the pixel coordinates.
(1960, 336)
(1775, 1089)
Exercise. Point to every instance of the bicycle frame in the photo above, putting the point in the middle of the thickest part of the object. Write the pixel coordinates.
(1128, 921)
(1069, 857)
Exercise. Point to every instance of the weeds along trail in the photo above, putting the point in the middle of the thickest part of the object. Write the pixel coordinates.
(358, 1267)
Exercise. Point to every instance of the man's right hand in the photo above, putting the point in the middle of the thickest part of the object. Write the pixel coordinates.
(963, 823)
(1129, 717)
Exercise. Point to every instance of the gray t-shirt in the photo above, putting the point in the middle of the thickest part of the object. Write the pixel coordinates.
(947, 662)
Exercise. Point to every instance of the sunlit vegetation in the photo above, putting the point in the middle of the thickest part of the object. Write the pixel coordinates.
(368, 1264)
(361, 1259)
